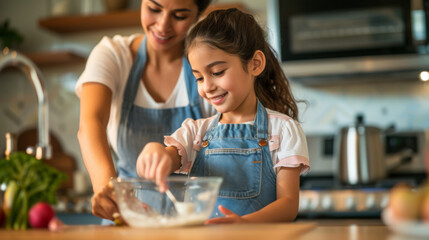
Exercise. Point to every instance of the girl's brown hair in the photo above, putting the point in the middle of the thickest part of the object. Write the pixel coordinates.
(238, 33)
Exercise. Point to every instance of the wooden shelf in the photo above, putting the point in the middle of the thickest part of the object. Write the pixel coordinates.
(71, 24)
(54, 58)
(129, 18)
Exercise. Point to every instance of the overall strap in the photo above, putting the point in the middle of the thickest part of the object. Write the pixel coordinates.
(261, 122)
(208, 136)
(191, 84)
(135, 74)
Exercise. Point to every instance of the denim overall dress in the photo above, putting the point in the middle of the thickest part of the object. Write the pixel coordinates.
(139, 125)
(240, 154)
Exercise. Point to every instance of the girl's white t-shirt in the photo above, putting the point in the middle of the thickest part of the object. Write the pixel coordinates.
(110, 64)
(287, 141)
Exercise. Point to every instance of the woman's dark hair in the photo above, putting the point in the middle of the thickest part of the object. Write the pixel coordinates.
(239, 34)
(202, 5)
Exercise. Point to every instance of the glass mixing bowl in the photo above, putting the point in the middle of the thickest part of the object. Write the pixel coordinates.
(142, 205)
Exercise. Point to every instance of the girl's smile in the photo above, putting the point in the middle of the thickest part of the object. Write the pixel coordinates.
(218, 99)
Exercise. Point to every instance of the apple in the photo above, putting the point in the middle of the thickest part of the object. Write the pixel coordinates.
(405, 203)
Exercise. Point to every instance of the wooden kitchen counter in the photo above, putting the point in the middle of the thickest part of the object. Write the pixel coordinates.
(351, 229)
(222, 232)
(353, 232)
(295, 231)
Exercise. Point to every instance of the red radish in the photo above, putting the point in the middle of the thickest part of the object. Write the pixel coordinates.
(40, 214)
(55, 225)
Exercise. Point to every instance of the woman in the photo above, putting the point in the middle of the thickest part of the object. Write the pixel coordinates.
(135, 89)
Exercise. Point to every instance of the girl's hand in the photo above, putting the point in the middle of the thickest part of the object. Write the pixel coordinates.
(155, 163)
(104, 203)
(230, 217)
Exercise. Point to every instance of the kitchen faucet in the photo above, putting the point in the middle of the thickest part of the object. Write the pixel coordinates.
(42, 150)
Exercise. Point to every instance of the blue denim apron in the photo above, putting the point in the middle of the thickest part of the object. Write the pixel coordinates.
(240, 154)
(139, 126)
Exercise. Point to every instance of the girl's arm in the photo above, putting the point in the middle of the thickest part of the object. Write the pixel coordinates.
(94, 116)
(284, 209)
(156, 162)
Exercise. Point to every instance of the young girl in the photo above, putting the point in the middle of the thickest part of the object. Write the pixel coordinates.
(255, 142)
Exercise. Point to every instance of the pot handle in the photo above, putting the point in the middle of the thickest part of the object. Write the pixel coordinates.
(405, 156)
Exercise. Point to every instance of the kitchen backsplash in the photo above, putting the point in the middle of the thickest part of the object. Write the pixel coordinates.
(18, 105)
(403, 104)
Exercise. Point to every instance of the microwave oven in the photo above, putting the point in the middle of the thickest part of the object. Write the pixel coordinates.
(320, 29)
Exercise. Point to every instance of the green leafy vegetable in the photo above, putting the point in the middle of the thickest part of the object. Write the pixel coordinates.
(32, 180)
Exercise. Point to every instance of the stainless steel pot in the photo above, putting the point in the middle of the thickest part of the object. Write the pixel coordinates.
(360, 154)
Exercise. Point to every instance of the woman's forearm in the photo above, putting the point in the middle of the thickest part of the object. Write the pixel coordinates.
(92, 136)
(96, 153)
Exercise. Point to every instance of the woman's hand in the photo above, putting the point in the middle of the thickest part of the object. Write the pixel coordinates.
(230, 217)
(155, 163)
(104, 202)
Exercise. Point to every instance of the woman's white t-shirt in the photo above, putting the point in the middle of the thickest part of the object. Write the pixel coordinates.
(110, 64)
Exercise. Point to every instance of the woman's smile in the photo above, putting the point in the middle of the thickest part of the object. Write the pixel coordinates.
(161, 39)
